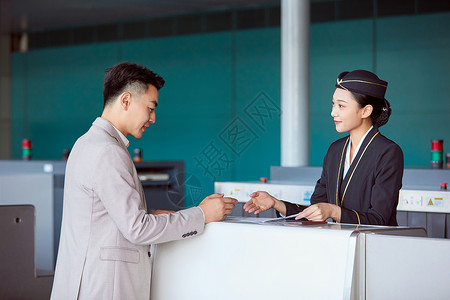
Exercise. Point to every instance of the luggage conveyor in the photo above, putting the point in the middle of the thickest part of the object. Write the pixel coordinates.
(41, 184)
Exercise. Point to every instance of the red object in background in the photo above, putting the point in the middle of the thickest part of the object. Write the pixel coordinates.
(263, 179)
(443, 185)
(437, 145)
(26, 144)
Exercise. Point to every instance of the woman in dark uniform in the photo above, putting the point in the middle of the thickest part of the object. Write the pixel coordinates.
(362, 173)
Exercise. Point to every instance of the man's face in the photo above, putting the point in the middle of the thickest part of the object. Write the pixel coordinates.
(141, 112)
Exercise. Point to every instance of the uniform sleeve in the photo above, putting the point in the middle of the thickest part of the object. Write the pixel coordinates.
(292, 208)
(319, 195)
(114, 185)
(385, 191)
(320, 191)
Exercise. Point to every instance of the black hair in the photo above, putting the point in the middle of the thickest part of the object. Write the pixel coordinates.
(381, 108)
(128, 75)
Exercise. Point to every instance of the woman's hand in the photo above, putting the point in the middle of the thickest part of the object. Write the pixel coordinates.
(321, 212)
(262, 201)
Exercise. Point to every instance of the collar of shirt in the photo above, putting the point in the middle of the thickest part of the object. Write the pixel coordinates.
(124, 139)
(348, 162)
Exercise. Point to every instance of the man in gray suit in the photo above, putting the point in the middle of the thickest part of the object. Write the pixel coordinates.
(104, 250)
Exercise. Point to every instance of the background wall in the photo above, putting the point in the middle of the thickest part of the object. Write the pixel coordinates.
(220, 108)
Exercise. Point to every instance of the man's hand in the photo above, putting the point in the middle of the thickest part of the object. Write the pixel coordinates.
(321, 212)
(262, 201)
(216, 207)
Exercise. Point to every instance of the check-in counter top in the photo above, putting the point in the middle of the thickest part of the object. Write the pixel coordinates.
(341, 227)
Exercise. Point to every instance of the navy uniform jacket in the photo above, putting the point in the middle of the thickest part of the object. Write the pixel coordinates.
(368, 194)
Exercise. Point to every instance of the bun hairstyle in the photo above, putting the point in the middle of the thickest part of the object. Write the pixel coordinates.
(367, 89)
(381, 108)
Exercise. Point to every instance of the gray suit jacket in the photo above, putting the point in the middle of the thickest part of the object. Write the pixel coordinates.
(106, 231)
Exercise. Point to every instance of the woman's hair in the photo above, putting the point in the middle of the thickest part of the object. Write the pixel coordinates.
(381, 108)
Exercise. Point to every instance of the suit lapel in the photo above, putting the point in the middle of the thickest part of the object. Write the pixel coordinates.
(106, 126)
(341, 172)
(354, 165)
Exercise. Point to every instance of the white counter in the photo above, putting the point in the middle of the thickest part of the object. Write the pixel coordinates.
(243, 260)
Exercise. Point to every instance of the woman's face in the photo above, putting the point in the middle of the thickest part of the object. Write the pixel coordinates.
(346, 112)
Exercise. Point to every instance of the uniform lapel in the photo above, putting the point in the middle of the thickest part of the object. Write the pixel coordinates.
(340, 174)
(354, 165)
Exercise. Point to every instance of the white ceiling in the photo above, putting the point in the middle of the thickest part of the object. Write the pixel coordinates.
(36, 15)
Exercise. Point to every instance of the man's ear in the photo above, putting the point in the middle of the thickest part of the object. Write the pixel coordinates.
(124, 100)
(367, 111)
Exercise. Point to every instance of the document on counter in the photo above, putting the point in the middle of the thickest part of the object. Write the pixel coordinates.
(287, 220)
(245, 219)
(280, 218)
(257, 220)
